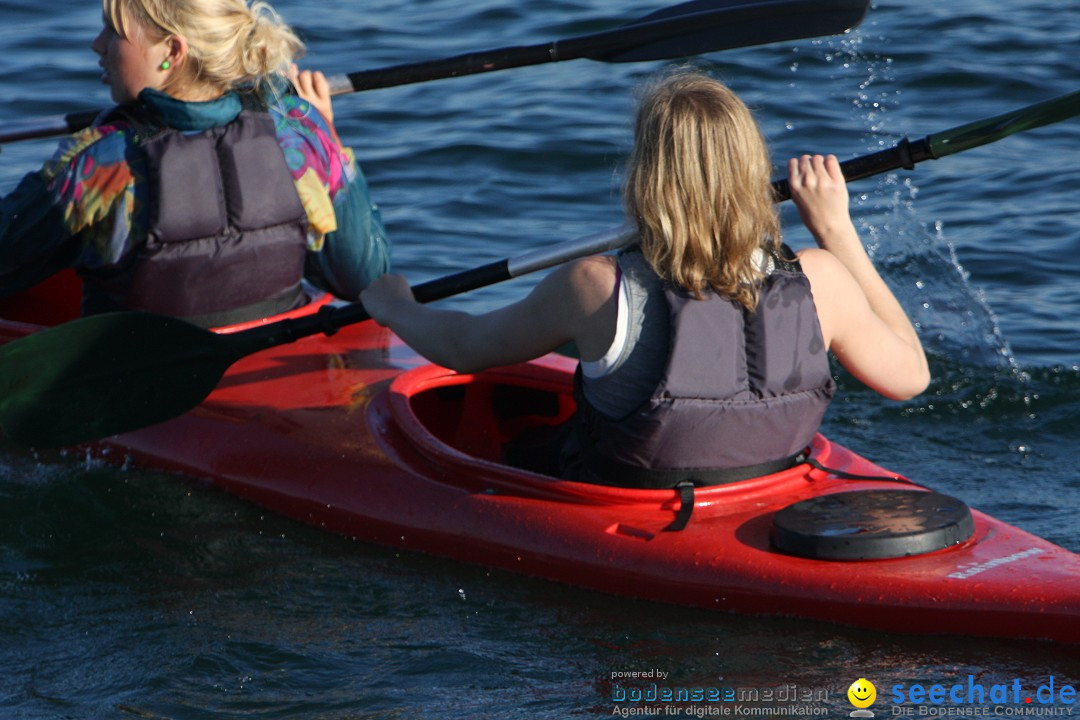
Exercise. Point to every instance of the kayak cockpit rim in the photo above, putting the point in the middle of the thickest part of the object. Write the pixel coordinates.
(451, 419)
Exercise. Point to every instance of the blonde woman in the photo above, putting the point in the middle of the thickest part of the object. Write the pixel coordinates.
(212, 188)
(703, 348)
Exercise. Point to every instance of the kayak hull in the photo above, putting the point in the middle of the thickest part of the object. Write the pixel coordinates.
(359, 436)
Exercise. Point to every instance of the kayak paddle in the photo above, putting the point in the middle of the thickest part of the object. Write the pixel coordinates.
(964, 137)
(690, 28)
(106, 374)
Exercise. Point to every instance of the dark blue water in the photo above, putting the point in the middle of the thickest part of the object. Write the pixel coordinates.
(125, 593)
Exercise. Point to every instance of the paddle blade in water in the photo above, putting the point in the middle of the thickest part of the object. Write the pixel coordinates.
(106, 374)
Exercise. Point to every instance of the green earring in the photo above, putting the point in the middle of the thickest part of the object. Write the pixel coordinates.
(165, 65)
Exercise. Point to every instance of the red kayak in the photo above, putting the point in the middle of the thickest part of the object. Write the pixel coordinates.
(358, 435)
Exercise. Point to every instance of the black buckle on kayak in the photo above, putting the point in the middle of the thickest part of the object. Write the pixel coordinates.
(686, 506)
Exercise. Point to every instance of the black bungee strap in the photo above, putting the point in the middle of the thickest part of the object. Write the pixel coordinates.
(841, 474)
(852, 476)
(684, 480)
(686, 507)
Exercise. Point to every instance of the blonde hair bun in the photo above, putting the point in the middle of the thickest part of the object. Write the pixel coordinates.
(272, 45)
(231, 43)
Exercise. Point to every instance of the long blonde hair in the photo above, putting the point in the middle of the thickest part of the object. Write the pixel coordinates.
(698, 187)
(231, 43)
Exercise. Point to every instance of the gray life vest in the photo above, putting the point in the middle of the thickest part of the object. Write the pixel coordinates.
(742, 394)
(227, 231)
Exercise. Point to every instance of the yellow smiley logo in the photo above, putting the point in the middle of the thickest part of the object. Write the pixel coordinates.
(862, 693)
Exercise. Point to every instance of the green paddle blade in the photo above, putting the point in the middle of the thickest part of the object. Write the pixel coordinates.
(107, 374)
(993, 129)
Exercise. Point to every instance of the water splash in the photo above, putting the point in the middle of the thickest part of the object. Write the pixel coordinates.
(915, 256)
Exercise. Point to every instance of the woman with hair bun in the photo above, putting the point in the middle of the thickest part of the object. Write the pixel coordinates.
(704, 346)
(212, 189)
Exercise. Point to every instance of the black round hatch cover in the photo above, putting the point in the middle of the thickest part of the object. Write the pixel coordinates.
(871, 524)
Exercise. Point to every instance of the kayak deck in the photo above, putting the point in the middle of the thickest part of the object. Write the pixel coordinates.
(1000, 581)
(332, 432)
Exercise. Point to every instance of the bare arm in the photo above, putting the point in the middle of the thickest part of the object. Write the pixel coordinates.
(863, 323)
(573, 303)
